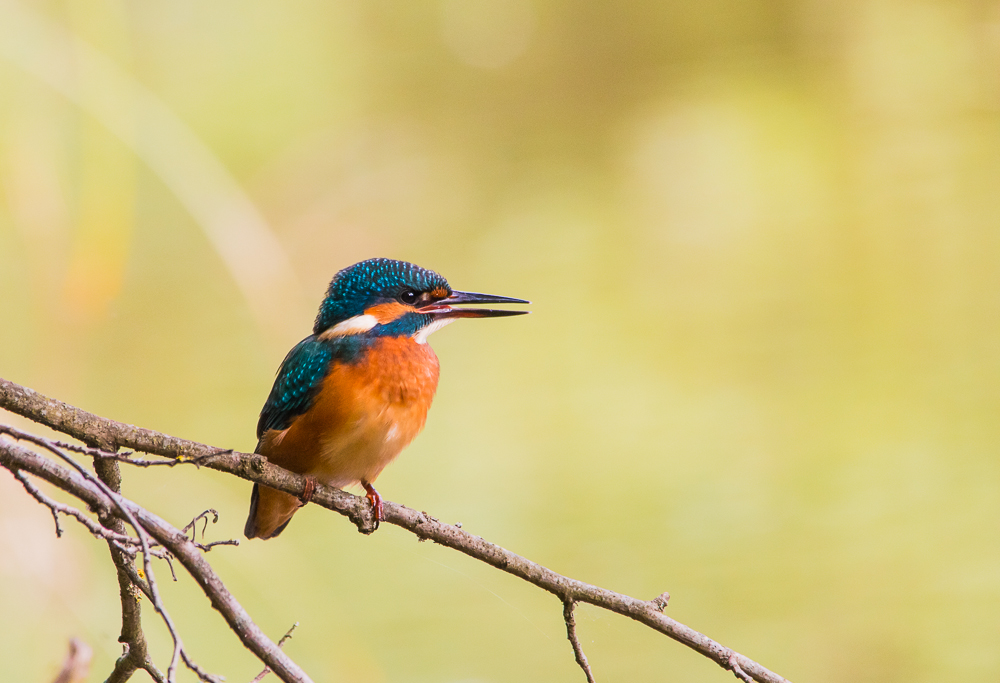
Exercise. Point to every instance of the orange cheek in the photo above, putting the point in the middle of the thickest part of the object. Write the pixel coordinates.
(440, 293)
(386, 313)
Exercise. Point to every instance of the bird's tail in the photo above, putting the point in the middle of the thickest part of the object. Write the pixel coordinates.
(270, 512)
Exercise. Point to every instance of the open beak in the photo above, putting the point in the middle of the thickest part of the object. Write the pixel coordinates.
(443, 308)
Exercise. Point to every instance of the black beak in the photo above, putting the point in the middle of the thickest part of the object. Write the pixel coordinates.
(443, 307)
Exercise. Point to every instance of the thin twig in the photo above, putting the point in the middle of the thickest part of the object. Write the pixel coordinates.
(76, 667)
(174, 462)
(54, 507)
(734, 666)
(288, 634)
(190, 526)
(284, 639)
(128, 544)
(126, 456)
(91, 451)
(581, 659)
(208, 546)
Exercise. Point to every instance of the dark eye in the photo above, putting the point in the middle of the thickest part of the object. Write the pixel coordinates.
(408, 297)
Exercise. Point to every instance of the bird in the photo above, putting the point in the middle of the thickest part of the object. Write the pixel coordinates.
(352, 395)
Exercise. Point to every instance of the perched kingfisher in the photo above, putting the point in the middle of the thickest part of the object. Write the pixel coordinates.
(353, 394)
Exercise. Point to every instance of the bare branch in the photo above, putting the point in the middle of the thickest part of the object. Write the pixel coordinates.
(192, 527)
(135, 653)
(77, 665)
(208, 546)
(126, 456)
(107, 484)
(55, 508)
(734, 666)
(288, 634)
(91, 451)
(127, 544)
(128, 459)
(203, 516)
(581, 659)
(91, 428)
(15, 457)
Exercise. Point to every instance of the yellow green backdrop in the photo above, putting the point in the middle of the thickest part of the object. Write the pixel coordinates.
(762, 240)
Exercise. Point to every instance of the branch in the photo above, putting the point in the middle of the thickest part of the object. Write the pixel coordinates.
(130, 584)
(77, 664)
(133, 638)
(284, 639)
(108, 482)
(124, 542)
(17, 458)
(88, 427)
(581, 658)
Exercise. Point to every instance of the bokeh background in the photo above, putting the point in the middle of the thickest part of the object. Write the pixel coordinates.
(762, 239)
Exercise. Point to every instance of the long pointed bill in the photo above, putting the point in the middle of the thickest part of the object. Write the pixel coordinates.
(443, 308)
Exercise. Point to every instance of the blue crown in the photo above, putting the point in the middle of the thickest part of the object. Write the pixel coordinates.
(365, 284)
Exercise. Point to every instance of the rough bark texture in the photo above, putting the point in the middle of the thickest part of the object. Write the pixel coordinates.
(91, 428)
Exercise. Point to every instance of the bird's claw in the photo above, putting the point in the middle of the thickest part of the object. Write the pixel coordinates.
(307, 491)
(378, 510)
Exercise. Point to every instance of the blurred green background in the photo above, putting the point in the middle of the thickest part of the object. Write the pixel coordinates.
(762, 240)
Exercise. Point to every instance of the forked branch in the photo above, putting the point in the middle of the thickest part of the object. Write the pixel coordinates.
(22, 460)
(111, 435)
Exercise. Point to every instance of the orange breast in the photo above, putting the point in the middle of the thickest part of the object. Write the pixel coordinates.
(364, 415)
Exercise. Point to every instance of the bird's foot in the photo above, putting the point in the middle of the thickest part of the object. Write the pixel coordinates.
(376, 500)
(307, 491)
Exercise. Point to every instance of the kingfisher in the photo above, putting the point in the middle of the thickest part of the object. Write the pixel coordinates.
(353, 394)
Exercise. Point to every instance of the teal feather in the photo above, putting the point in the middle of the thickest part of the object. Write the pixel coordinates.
(301, 375)
(299, 378)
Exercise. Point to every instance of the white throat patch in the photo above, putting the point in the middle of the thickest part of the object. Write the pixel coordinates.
(355, 325)
(421, 335)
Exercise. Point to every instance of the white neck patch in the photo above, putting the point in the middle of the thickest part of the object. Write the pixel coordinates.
(427, 330)
(355, 325)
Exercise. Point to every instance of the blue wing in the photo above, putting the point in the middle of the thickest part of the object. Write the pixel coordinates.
(299, 378)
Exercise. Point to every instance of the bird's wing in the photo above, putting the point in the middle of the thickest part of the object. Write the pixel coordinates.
(299, 378)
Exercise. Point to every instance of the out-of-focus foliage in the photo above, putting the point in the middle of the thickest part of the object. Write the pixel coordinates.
(763, 244)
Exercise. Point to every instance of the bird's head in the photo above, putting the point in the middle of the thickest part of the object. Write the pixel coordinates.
(383, 297)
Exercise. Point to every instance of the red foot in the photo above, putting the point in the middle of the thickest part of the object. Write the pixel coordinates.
(376, 500)
(308, 490)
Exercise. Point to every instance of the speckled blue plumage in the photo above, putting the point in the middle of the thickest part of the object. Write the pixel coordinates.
(364, 284)
(299, 377)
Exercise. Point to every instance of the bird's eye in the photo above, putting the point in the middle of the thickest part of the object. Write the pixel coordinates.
(408, 297)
